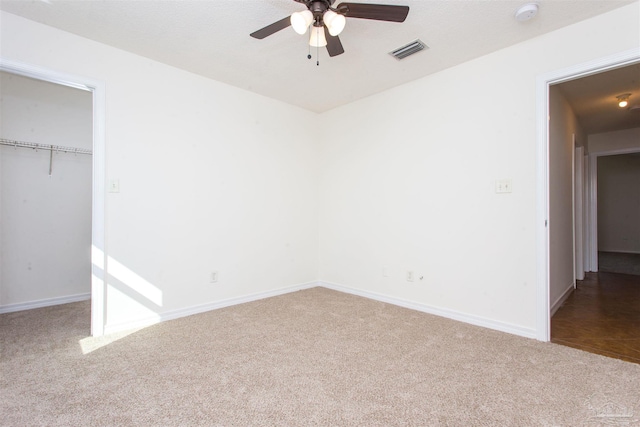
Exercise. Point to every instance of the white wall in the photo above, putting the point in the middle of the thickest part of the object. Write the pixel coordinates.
(407, 179)
(627, 139)
(211, 178)
(563, 125)
(619, 203)
(214, 177)
(45, 232)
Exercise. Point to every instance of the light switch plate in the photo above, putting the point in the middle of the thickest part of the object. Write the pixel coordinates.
(504, 185)
(114, 186)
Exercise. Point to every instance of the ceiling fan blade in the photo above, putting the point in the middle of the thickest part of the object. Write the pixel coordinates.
(334, 45)
(378, 12)
(271, 29)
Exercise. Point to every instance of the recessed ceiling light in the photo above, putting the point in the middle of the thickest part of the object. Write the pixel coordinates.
(526, 12)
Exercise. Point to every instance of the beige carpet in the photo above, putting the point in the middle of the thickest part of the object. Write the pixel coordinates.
(315, 357)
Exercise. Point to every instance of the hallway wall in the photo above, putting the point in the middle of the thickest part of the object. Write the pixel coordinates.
(563, 125)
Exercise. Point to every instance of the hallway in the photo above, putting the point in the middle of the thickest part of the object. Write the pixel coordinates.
(602, 316)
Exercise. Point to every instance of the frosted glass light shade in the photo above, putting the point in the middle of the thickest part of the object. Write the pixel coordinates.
(300, 21)
(334, 21)
(317, 38)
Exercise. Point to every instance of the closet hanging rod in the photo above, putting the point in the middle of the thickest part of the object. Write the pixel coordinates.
(35, 146)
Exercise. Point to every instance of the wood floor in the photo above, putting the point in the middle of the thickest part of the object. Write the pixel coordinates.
(602, 316)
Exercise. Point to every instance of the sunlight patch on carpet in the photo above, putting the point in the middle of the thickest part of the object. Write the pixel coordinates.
(90, 344)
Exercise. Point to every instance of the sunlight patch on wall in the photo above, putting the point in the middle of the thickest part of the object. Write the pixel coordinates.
(134, 281)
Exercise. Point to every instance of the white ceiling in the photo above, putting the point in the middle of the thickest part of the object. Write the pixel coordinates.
(211, 38)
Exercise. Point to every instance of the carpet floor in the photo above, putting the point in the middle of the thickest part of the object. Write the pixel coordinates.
(314, 357)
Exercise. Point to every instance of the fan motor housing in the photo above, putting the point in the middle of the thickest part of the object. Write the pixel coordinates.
(319, 7)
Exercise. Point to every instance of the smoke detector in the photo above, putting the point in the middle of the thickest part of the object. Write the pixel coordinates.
(527, 12)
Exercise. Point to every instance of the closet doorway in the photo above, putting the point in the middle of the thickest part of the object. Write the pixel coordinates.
(52, 217)
(45, 190)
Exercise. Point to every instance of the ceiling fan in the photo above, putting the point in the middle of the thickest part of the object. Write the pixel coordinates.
(327, 22)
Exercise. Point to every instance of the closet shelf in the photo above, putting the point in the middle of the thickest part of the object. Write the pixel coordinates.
(52, 148)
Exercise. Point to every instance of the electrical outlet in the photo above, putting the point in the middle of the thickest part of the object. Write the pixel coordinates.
(410, 276)
(214, 277)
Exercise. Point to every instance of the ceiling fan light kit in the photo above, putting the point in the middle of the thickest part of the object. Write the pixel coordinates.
(334, 22)
(317, 38)
(327, 22)
(300, 21)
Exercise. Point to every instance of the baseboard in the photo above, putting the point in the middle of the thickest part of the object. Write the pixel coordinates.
(619, 252)
(438, 311)
(10, 308)
(202, 308)
(558, 303)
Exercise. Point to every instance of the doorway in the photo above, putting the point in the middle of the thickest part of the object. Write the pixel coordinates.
(45, 181)
(581, 319)
(543, 213)
(618, 210)
(97, 255)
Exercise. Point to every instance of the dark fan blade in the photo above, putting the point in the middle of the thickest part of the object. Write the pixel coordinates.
(334, 46)
(379, 12)
(271, 29)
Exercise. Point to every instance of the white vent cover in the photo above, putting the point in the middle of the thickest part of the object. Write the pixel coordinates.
(410, 49)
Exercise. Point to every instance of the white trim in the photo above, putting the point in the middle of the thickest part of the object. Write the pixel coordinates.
(543, 332)
(586, 227)
(593, 213)
(98, 257)
(573, 209)
(10, 308)
(630, 150)
(558, 303)
(438, 311)
(202, 308)
(578, 215)
(542, 210)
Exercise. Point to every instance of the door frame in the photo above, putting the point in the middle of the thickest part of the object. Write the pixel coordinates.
(543, 82)
(578, 212)
(98, 250)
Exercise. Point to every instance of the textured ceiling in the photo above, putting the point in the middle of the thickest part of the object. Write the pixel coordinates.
(211, 38)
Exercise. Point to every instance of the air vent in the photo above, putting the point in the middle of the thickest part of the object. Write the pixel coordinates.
(410, 49)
